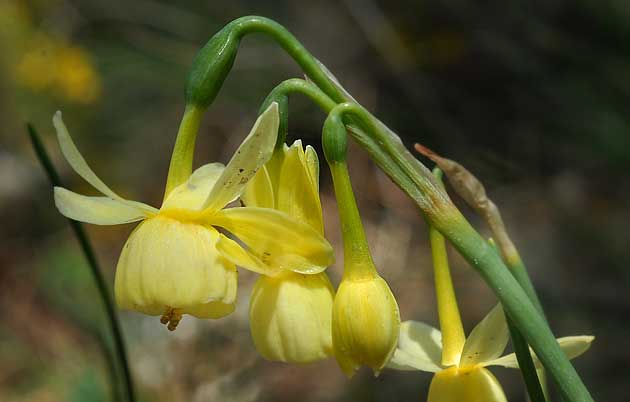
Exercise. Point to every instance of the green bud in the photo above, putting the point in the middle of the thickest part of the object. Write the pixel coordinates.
(334, 139)
(210, 67)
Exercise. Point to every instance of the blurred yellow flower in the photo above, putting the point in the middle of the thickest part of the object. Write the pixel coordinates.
(176, 262)
(290, 315)
(420, 348)
(47, 64)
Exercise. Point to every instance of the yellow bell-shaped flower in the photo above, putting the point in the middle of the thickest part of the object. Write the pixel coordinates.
(176, 261)
(366, 323)
(290, 317)
(290, 314)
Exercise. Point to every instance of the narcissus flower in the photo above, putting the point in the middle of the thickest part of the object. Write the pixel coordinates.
(290, 313)
(176, 262)
(420, 348)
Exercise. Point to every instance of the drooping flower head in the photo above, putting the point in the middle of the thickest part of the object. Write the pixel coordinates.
(290, 313)
(176, 262)
(468, 379)
(366, 319)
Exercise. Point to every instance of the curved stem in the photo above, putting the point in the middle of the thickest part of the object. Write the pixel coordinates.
(88, 251)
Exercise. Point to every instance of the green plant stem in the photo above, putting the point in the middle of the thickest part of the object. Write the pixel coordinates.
(88, 251)
(526, 363)
(280, 95)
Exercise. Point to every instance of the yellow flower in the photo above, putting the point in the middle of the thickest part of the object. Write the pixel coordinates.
(366, 322)
(420, 348)
(176, 262)
(290, 314)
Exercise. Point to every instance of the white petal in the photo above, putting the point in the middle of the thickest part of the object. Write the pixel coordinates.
(487, 340)
(96, 210)
(572, 346)
(75, 159)
(253, 153)
(419, 348)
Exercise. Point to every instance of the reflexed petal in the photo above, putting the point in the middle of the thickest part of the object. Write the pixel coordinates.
(193, 193)
(297, 193)
(254, 152)
(237, 255)
(488, 339)
(573, 346)
(259, 191)
(170, 264)
(75, 159)
(465, 385)
(290, 317)
(275, 239)
(96, 210)
(419, 348)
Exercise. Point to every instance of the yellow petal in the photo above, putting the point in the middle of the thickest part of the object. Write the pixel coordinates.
(465, 385)
(191, 194)
(312, 161)
(75, 159)
(169, 264)
(96, 210)
(419, 348)
(290, 317)
(275, 239)
(488, 339)
(297, 193)
(366, 324)
(254, 152)
(572, 346)
(259, 191)
(237, 255)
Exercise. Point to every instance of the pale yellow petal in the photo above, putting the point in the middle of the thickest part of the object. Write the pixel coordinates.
(276, 239)
(290, 317)
(488, 339)
(572, 346)
(297, 193)
(419, 348)
(76, 160)
(193, 193)
(253, 153)
(259, 191)
(312, 161)
(237, 255)
(96, 210)
(465, 385)
(166, 263)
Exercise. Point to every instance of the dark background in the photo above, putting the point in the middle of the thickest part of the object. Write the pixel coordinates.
(532, 96)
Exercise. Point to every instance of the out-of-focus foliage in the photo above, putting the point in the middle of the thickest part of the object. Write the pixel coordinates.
(532, 97)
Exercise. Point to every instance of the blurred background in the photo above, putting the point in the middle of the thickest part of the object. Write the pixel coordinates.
(532, 96)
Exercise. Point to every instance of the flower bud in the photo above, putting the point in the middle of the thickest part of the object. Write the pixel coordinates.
(290, 317)
(366, 323)
(210, 67)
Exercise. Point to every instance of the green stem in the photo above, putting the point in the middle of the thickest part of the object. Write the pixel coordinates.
(181, 164)
(526, 364)
(280, 95)
(101, 284)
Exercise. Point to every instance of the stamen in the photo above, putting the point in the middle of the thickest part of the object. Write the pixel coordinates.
(176, 317)
(171, 318)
